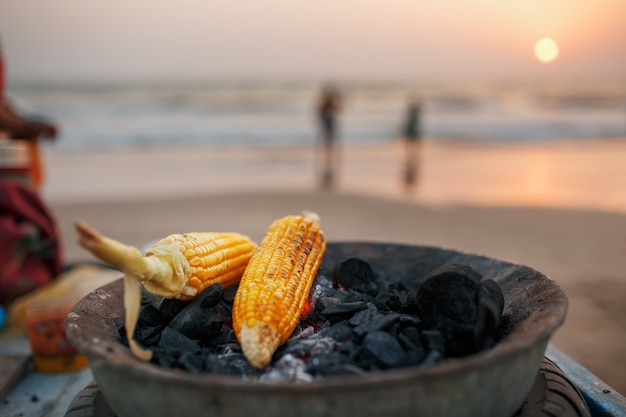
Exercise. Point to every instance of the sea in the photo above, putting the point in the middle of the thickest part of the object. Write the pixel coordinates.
(125, 115)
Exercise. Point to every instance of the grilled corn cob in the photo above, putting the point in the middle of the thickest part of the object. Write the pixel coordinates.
(178, 266)
(275, 285)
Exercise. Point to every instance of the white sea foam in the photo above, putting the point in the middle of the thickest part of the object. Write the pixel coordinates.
(124, 116)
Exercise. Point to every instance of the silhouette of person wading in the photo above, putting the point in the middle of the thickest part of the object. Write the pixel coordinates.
(412, 137)
(327, 111)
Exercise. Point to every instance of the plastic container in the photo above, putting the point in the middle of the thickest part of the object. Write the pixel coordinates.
(45, 322)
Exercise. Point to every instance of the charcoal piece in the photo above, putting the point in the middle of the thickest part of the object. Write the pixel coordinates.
(341, 331)
(225, 337)
(196, 323)
(150, 316)
(364, 316)
(308, 346)
(171, 339)
(344, 308)
(170, 307)
(379, 323)
(447, 302)
(392, 301)
(434, 343)
(228, 294)
(333, 363)
(411, 306)
(411, 336)
(490, 308)
(349, 350)
(225, 308)
(148, 329)
(356, 274)
(166, 358)
(202, 318)
(380, 350)
(351, 296)
(232, 364)
(323, 303)
(433, 340)
(147, 298)
(380, 305)
(410, 340)
(330, 292)
(148, 335)
(211, 296)
(314, 318)
(409, 320)
(450, 290)
(190, 362)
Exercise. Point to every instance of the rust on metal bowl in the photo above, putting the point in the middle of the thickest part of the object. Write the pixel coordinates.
(494, 382)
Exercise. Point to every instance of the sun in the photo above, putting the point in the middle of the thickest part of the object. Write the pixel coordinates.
(546, 50)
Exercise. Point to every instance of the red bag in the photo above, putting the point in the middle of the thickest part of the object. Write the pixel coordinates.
(30, 251)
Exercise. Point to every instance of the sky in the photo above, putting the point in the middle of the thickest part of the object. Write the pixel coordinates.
(321, 39)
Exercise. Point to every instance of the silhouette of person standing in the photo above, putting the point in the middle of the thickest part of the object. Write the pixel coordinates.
(412, 139)
(327, 111)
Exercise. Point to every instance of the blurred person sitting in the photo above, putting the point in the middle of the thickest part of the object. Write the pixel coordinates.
(28, 129)
(30, 249)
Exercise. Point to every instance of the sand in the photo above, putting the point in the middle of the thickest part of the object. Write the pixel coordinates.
(558, 208)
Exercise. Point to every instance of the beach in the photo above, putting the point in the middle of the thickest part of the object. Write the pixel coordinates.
(558, 207)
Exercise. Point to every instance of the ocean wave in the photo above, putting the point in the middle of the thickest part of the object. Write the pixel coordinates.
(131, 115)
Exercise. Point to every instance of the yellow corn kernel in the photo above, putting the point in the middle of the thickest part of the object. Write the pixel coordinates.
(178, 266)
(275, 285)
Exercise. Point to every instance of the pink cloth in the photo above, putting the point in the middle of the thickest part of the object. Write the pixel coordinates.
(30, 251)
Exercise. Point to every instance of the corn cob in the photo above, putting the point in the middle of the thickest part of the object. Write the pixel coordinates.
(178, 266)
(275, 285)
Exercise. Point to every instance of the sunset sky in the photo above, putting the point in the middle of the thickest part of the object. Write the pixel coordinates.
(286, 39)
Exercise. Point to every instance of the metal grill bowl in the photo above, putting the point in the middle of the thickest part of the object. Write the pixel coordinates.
(491, 383)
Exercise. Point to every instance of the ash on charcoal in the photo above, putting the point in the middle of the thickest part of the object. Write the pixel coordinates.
(309, 347)
(357, 323)
(287, 369)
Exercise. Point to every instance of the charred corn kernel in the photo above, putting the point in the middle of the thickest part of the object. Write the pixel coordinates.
(178, 266)
(275, 285)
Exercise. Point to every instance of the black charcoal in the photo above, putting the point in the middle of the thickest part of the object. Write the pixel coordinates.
(381, 351)
(364, 316)
(170, 307)
(197, 323)
(448, 302)
(351, 330)
(380, 322)
(348, 308)
(341, 331)
(355, 274)
(392, 301)
(171, 339)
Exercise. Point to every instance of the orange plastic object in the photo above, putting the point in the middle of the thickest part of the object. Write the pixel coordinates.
(52, 352)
